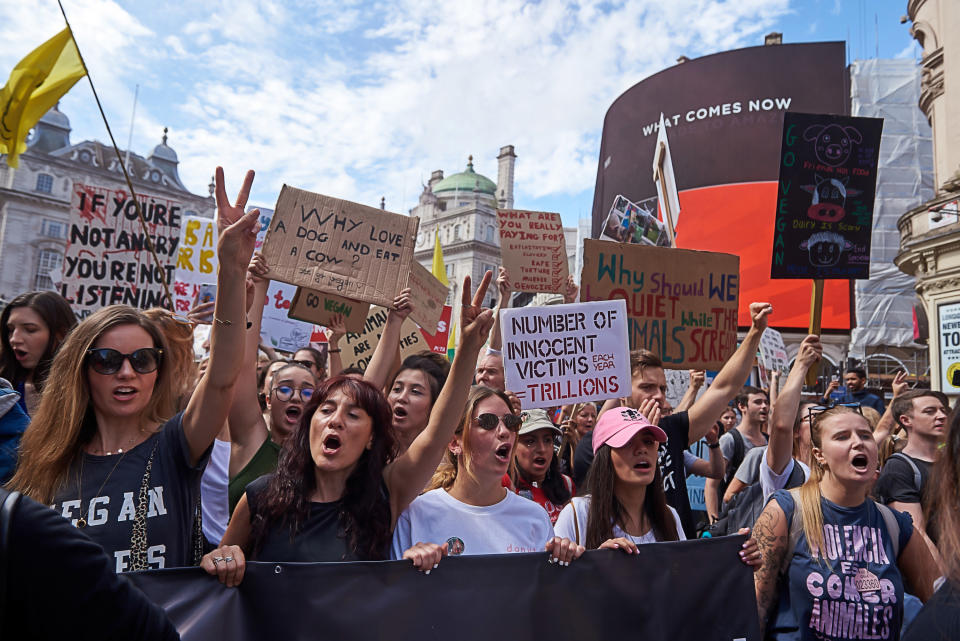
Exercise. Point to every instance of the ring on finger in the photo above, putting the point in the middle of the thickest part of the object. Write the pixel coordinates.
(228, 559)
(217, 559)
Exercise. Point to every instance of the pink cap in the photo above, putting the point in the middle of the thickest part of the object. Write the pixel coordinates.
(617, 426)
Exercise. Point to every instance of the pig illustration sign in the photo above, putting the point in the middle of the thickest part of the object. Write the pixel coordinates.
(828, 178)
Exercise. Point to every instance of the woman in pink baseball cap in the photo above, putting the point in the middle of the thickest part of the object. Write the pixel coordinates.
(626, 505)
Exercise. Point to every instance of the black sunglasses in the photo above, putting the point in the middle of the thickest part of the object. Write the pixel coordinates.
(490, 421)
(109, 361)
(307, 364)
(816, 410)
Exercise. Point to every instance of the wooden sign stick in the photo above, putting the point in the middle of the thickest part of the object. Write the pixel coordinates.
(667, 214)
(816, 311)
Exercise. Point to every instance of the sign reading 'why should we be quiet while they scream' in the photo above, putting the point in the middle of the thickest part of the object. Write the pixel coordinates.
(681, 304)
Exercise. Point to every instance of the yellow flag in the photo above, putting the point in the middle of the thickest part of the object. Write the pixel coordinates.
(452, 341)
(35, 85)
(439, 269)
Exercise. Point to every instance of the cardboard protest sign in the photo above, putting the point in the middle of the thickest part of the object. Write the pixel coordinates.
(429, 296)
(356, 350)
(533, 249)
(828, 178)
(339, 247)
(682, 304)
(773, 354)
(107, 261)
(196, 260)
(319, 308)
(563, 354)
(437, 342)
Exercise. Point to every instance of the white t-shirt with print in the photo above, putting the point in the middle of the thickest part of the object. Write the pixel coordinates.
(566, 528)
(515, 524)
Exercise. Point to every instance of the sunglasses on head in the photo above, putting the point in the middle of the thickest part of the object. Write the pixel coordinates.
(285, 392)
(109, 361)
(307, 364)
(816, 410)
(490, 421)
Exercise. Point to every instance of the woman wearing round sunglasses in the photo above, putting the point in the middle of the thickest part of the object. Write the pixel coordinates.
(256, 438)
(103, 451)
(470, 512)
(340, 486)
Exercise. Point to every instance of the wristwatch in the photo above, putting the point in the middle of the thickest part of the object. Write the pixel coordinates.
(713, 446)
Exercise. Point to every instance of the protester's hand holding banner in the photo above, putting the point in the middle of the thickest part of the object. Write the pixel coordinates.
(564, 354)
(681, 304)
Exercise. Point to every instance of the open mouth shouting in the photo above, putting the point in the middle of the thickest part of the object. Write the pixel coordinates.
(399, 413)
(503, 453)
(20, 354)
(124, 393)
(643, 467)
(861, 463)
(331, 444)
(292, 414)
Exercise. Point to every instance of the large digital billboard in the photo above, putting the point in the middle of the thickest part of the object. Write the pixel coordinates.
(724, 114)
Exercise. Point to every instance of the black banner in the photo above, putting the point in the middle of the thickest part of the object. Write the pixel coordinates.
(828, 178)
(688, 590)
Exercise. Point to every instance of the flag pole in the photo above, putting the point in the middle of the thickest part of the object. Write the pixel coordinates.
(133, 194)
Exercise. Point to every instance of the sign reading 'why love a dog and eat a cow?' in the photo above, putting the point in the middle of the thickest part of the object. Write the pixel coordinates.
(828, 178)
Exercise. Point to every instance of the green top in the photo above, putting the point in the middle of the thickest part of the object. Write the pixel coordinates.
(263, 462)
(466, 181)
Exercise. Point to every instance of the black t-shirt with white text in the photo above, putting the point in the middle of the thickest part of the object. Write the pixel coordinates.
(677, 427)
(104, 490)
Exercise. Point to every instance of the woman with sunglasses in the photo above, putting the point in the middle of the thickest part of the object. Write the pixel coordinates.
(101, 450)
(256, 437)
(469, 511)
(834, 561)
(340, 487)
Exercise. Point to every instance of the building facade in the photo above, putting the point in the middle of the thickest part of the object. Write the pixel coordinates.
(35, 198)
(930, 232)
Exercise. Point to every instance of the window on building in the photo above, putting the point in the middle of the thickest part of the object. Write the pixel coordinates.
(451, 272)
(456, 232)
(45, 183)
(489, 233)
(49, 263)
(54, 229)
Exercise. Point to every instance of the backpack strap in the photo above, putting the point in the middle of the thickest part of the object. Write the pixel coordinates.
(576, 522)
(913, 466)
(893, 526)
(739, 452)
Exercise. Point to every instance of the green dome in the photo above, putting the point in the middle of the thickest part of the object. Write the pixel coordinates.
(467, 181)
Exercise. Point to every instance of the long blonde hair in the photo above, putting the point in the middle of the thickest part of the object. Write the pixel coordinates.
(179, 355)
(810, 495)
(64, 421)
(446, 473)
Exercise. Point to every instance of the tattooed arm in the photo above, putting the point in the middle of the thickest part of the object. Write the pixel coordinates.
(770, 532)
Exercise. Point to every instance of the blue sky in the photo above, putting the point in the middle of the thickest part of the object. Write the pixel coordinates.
(364, 99)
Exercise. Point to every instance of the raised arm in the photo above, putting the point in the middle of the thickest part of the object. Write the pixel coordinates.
(248, 430)
(780, 446)
(504, 290)
(337, 331)
(384, 357)
(887, 423)
(731, 377)
(697, 378)
(210, 404)
(407, 475)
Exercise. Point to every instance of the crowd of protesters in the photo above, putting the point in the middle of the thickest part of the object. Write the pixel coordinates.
(158, 461)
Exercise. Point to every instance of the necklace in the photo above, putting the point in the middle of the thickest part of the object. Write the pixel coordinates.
(82, 521)
(120, 450)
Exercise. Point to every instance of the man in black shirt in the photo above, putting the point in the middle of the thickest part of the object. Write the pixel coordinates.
(923, 414)
(649, 386)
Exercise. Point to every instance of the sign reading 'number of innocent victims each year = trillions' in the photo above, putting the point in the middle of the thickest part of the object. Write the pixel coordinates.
(681, 304)
(562, 354)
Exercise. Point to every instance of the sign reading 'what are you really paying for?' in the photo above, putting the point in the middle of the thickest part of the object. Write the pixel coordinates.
(828, 178)
(339, 247)
(562, 354)
(533, 249)
(107, 260)
(681, 304)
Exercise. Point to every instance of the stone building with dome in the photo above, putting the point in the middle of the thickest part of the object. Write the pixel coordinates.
(463, 207)
(35, 198)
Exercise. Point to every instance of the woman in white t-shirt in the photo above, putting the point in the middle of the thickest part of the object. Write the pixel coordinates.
(627, 506)
(468, 511)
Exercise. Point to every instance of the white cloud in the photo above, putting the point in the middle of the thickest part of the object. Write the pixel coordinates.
(910, 51)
